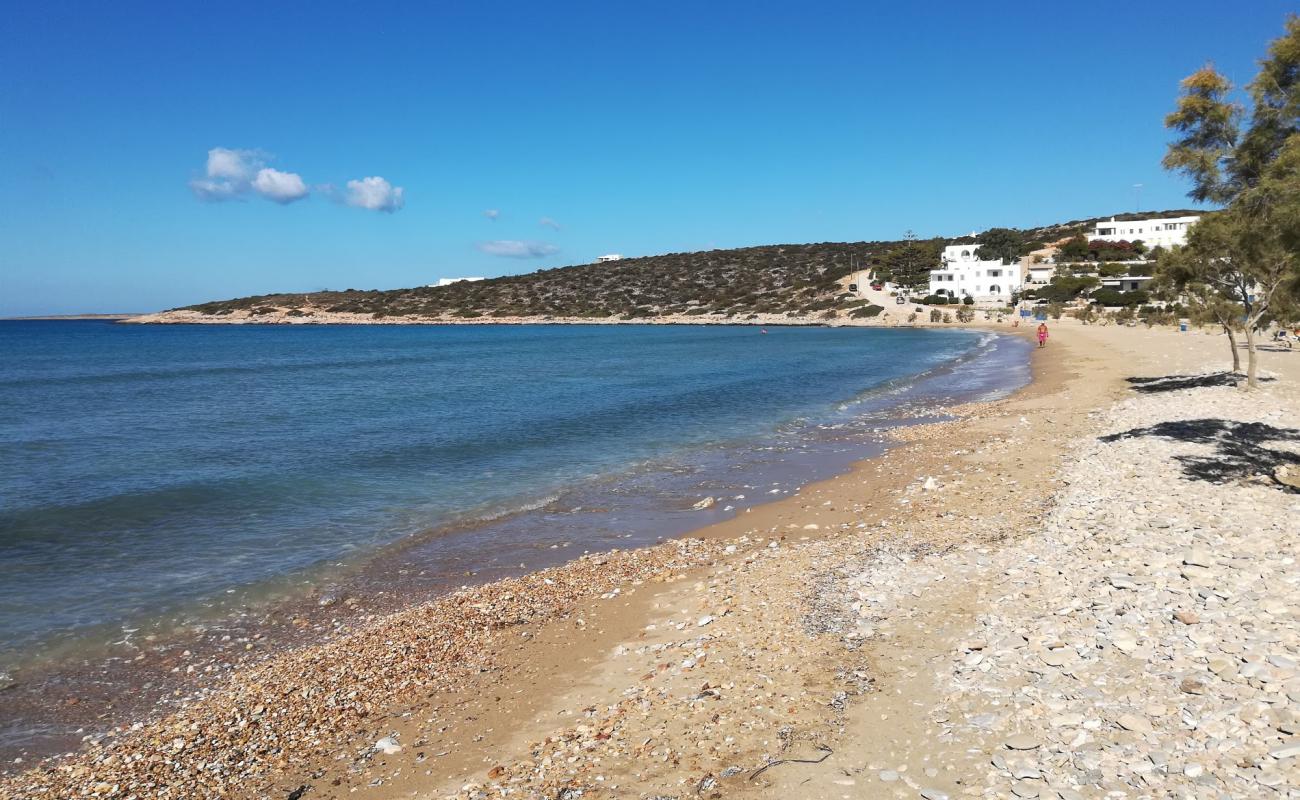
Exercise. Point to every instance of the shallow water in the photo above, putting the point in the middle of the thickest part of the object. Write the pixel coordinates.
(157, 473)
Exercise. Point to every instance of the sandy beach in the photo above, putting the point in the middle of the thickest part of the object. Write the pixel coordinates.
(1086, 588)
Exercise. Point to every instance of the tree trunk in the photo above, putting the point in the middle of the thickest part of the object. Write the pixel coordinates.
(1232, 342)
(1252, 360)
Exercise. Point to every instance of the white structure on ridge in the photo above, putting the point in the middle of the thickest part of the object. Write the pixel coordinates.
(1168, 232)
(610, 257)
(963, 274)
(450, 281)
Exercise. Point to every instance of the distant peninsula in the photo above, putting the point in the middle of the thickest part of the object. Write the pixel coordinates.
(770, 284)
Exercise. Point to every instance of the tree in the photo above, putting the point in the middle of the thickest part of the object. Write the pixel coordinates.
(909, 264)
(999, 243)
(1075, 249)
(1250, 253)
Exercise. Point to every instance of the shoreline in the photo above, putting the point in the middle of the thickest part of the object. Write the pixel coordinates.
(571, 637)
(85, 685)
(887, 318)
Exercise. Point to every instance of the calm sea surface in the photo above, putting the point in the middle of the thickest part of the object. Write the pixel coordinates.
(152, 471)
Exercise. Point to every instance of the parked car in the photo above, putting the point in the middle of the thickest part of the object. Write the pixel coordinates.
(877, 286)
(901, 300)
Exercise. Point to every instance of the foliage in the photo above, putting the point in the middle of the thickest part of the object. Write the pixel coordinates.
(1111, 297)
(1055, 310)
(1064, 288)
(1076, 249)
(965, 314)
(867, 312)
(936, 315)
(1249, 254)
(999, 243)
(909, 263)
(968, 300)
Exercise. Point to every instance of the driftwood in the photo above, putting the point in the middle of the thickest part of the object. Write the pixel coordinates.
(826, 753)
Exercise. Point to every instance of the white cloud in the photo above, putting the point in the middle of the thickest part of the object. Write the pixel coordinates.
(547, 222)
(232, 174)
(374, 193)
(492, 214)
(508, 248)
(234, 165)
(279, 187)
(214, 191)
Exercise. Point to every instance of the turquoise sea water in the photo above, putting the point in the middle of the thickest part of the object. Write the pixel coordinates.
(146, 470)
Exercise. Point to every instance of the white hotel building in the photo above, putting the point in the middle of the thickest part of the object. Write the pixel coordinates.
(1168, 232)
(962, 274)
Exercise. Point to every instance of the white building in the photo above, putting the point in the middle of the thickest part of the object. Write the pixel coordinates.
(1039, 274)
(1126, 283)
(1168, 232)
(450, 281)
(962, 274)
(609, 257)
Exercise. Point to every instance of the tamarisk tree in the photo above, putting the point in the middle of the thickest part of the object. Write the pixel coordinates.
(1249, 253)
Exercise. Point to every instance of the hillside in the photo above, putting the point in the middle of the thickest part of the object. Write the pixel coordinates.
(791, 279)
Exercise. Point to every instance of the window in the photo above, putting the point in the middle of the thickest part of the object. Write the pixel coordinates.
(995, 273)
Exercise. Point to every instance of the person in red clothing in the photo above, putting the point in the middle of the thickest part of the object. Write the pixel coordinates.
(1042, 334)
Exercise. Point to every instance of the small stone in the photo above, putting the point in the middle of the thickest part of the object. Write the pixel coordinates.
(1197, 557)
(1024, 789)
(1135, 723)
(1282, 662)
(1124, 642)
(388, 746)
(1289, 749)
(1192, 686)
(1021, 741)
(934, 794)
(1186, 617)
(888, 775)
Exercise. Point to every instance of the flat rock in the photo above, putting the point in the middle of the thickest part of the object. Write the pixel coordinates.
(1135, 723)
(1021, 741)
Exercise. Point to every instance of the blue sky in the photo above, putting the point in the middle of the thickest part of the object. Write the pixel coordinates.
(660, 128)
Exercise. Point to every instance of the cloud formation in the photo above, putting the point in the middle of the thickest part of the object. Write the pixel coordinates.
(547, 222)
(509, 248)
(492, 214)
(374, 193)
(232, 174)
(279, 187)
(228, 175)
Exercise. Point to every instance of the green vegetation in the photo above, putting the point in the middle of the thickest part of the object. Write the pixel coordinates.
(1241, 266)
(909, 262)
(1110, 297)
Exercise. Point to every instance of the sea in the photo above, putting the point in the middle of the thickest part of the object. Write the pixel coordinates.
(159, 477)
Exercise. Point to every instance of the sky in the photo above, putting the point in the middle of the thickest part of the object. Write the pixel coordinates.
(161, 154)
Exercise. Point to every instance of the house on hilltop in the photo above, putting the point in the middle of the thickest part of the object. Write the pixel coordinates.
(1168, 232)
(961, 273)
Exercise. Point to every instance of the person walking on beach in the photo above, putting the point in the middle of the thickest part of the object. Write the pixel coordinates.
(1042, 334)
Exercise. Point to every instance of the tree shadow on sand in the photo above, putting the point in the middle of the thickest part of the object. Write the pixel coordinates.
(1240, 449)
(1172, 383)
